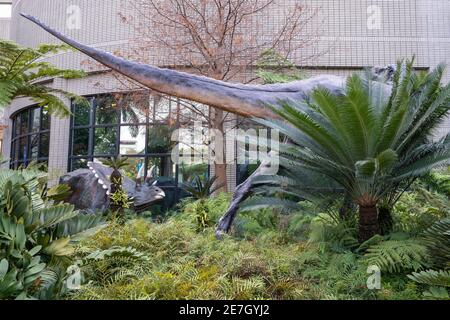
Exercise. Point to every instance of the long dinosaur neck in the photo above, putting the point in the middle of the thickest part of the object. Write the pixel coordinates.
(244, 100)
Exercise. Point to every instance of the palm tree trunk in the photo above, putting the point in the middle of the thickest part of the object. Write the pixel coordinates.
(385, 220)
(368, 223)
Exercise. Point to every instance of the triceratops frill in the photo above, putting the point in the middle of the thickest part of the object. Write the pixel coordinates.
(91, 189)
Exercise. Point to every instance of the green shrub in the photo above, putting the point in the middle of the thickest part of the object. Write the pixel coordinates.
(36, 232)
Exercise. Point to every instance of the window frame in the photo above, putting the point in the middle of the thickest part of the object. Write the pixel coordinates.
(15, 162)
(151, 121)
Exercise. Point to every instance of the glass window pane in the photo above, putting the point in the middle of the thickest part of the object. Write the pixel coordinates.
(135, 169)
(132, 140)
(45, 119)
(44, 145)
(107, 111)
(35, 120)
(81, 114)
(14, 151)
(34, 146)
(134, 109)
(161, 167)
(80, 142)
(163, 108)
(24, 129)
(78, 164)
(17, 125)
(187, 173)
(105, 141)
(23, 152)
(160, 139)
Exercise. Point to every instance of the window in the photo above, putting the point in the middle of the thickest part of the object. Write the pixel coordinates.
(136, 125)
(30, 137)
(5, 10)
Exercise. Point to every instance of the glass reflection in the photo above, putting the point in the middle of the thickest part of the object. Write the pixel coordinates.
(105, 140)
(132, 140)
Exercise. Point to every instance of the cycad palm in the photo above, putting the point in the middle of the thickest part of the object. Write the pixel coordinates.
(371, 139)
(116, 176)
(22, 72)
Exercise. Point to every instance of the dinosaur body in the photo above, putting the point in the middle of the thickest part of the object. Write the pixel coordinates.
(244, 100)
(91, 189)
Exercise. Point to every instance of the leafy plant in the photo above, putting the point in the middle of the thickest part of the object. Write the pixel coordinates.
(274, 68)
(35, 235)
(395, 256)
(437, 241)
(119, 198)
(202, 188)
(371, 141)
(22, 71)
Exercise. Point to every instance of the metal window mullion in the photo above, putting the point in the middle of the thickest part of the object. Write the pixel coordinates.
(92, 112)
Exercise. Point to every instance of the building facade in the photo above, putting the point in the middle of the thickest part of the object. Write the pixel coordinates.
(349, 35)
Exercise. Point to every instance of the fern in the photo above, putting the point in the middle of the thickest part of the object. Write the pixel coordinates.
(432, 278)
(22, 71)
(437, 241)
(396, 256)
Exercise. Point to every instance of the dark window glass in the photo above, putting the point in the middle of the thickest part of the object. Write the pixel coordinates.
(45, 119)
(105, 141)
(24, 126)
(34, 146)
(36, 120)
(106, 111)
(80, 142)
(160, 139)
(23, 145)
(82, 114)
(44, 145)
(17, 125)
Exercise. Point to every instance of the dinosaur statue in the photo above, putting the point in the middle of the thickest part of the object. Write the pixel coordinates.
(249, 101)
(91, 189)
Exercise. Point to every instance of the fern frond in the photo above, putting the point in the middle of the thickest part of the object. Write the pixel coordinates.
(397, 256)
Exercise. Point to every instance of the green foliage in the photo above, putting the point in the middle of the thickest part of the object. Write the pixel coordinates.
(396, 256)
(202, 188)
(370, 142)
(439, 282)
(432, 278)
(418, 209)
(35, 235)
(437, 241)
(333, 233)
(438, 181)
(266, 258)
(22, 71)
(121, 199)
(205, 213)
(116, 163)
(274, 68)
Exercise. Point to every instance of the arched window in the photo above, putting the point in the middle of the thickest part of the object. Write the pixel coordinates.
(30, 137)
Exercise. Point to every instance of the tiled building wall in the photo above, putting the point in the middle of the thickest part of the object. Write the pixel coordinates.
(345, 35)
(4, 28)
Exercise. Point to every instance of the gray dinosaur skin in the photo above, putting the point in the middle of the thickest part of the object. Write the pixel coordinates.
(245, 100)
(90, 189)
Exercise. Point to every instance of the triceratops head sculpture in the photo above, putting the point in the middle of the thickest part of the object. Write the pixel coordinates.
(91, 189)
